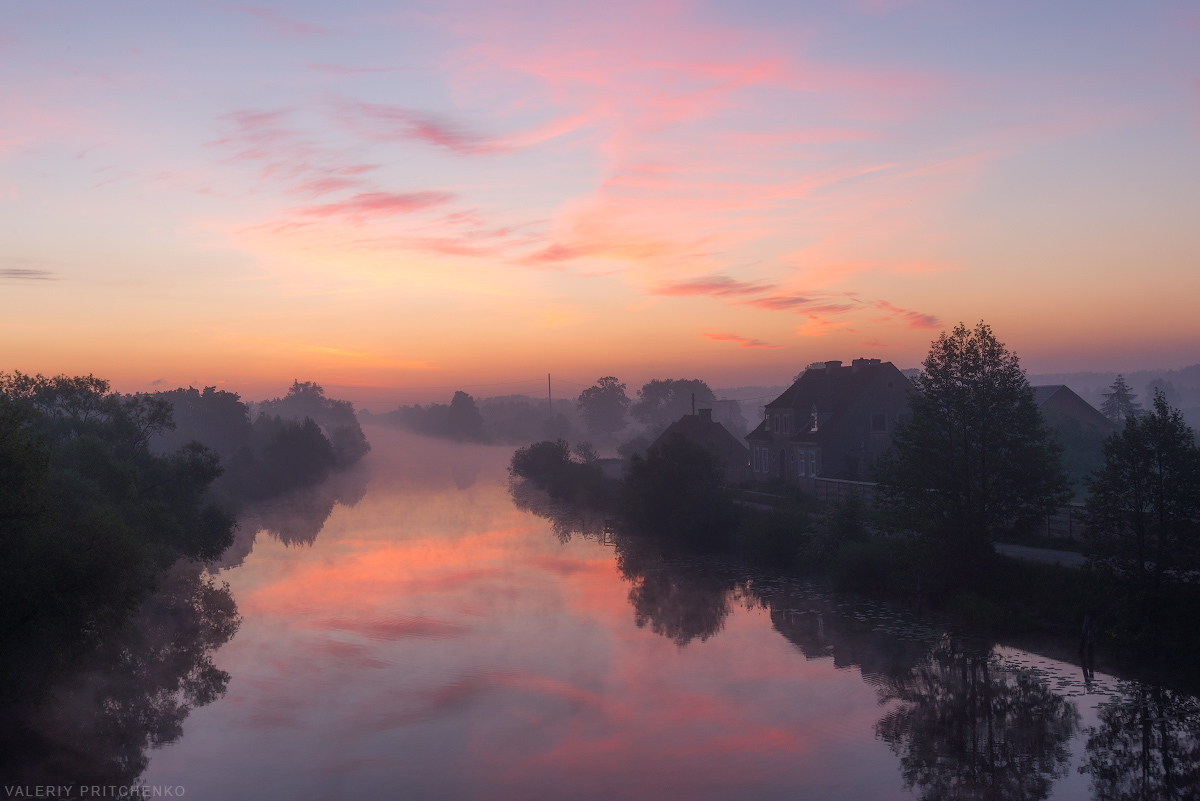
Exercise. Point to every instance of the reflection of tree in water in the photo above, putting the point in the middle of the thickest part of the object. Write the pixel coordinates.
(967, 728)
(464, 475)
(132, 693)
(1147, 746)
(296, 517)
(566, 520)
(679, 599)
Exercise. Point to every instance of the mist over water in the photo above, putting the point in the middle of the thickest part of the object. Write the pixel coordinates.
(442, 635)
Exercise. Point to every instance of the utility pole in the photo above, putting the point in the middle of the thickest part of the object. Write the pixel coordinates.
(549, 400)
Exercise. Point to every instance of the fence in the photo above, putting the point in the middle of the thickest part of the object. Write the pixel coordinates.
(1068, 523)
(835, 489)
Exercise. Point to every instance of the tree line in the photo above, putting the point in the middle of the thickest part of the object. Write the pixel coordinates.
(974, 464)
(106, 498)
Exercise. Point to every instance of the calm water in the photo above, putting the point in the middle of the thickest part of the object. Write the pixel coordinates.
(433, 640)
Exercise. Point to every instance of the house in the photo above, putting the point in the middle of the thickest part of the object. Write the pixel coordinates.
(1056, 401)
(1081, 429)
(700, 427)
(833, 422)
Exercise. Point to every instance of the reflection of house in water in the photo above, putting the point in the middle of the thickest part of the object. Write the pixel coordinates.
(702, 428)
(833, 422)
(821, 633)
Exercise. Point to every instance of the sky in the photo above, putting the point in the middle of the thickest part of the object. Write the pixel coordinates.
(423, 196)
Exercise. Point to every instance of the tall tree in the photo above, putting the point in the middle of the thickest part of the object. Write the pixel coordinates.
(1121, 403)
(1145, 501)
(976, 458)
(662, 402)
(603, 406)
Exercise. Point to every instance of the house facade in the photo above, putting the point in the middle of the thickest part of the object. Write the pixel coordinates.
(835, 421)
(701, 428)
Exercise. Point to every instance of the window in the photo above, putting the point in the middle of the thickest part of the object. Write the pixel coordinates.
(785, 424)
(756, 470)
(800, 463)
(812, 463)
(878, 423)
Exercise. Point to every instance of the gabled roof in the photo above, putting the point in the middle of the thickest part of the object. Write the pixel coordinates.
(1044, 393)
(1063, 399)
(702, 428)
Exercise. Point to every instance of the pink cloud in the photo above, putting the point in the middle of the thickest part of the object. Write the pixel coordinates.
(742, 342)
(910, 319)
(714, 285)
(378, 204)
(393, 122)
(279, 24)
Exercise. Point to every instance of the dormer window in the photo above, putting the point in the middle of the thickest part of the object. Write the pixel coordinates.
(813, 420)
(785, 424)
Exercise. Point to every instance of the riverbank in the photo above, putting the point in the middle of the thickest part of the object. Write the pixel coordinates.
(781, 529)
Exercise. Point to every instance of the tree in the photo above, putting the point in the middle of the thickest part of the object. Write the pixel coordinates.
(1145, 502)
(464, 420)
(1120, 404)
(675, 493)
(603, 406)
(661, 403)
(976, 459)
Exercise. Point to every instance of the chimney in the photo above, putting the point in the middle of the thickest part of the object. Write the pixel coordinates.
(857, 363)
(833, 365)
(706, 415)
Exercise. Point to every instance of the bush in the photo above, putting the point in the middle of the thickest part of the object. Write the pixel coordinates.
(548, 464)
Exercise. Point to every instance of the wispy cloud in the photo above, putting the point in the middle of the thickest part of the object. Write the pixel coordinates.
(25, 274)
(742, 342)
(277, 23)
(378, 204)
(719, 286)
(382, 121)
(907, 318)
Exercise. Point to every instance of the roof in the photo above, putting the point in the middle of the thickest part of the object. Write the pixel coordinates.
(833, 387)
(1043, 393)
(1062, 399)
(702, 428)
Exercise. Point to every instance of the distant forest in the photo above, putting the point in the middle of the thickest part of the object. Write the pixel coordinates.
(520, 419)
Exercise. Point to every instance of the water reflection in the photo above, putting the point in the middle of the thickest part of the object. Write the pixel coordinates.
(678, 600)
(1146, 746)
(132, 694)
(966, 727)
(963, 722)
(295, 518)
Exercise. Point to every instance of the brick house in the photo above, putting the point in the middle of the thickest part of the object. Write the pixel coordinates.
(833, 422)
